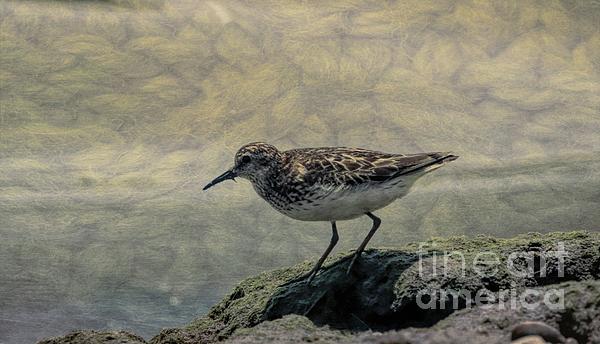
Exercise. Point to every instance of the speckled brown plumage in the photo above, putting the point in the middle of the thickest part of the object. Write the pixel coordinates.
(330, 183)
(352, 166)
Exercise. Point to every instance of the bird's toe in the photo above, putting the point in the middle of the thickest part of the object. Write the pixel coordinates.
(351, 265)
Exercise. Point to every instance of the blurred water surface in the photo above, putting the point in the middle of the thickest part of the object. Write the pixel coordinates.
(115, 113)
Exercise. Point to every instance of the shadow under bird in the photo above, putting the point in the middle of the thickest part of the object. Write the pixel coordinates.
(330, 183)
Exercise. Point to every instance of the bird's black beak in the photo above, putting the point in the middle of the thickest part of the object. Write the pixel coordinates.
(227, 175)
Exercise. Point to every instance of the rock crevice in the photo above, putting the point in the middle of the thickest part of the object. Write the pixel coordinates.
(398, 292)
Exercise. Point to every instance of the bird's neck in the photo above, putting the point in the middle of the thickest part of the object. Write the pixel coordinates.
(271, 183)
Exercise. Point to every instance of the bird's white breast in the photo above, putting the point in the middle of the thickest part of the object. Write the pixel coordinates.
(348, 203)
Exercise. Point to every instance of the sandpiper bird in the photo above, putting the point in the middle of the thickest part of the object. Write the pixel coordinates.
(330, 183)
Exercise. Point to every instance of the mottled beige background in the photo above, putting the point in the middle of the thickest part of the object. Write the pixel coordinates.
(114, 114)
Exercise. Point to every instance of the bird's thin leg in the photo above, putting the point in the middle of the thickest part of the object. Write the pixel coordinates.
(376, 223)
(334, 240)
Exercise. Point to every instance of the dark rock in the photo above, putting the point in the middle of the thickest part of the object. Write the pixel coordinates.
(386, 298)
(383, 292)
(477, 325)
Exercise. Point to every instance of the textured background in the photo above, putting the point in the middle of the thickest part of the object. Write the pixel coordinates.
(114, 114)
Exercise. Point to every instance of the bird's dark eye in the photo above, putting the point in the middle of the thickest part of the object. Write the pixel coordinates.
(246, 159)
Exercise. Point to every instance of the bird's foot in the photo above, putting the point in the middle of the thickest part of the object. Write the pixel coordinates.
(306, 278)
(352, 263)
(310, 278)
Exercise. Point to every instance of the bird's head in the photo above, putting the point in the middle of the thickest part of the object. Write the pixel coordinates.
(253, 162)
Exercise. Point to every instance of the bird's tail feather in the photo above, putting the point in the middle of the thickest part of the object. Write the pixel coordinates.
(439, 159)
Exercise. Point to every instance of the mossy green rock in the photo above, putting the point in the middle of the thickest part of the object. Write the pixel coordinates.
(96, 337)
(578, 320)
(115, 113)
(381, 294)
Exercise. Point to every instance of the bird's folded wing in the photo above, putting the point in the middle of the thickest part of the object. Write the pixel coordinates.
(353, 170)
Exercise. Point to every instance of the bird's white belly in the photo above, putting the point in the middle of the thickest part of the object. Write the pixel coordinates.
(347, 204)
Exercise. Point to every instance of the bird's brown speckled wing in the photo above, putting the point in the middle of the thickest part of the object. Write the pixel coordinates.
(341, 166)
